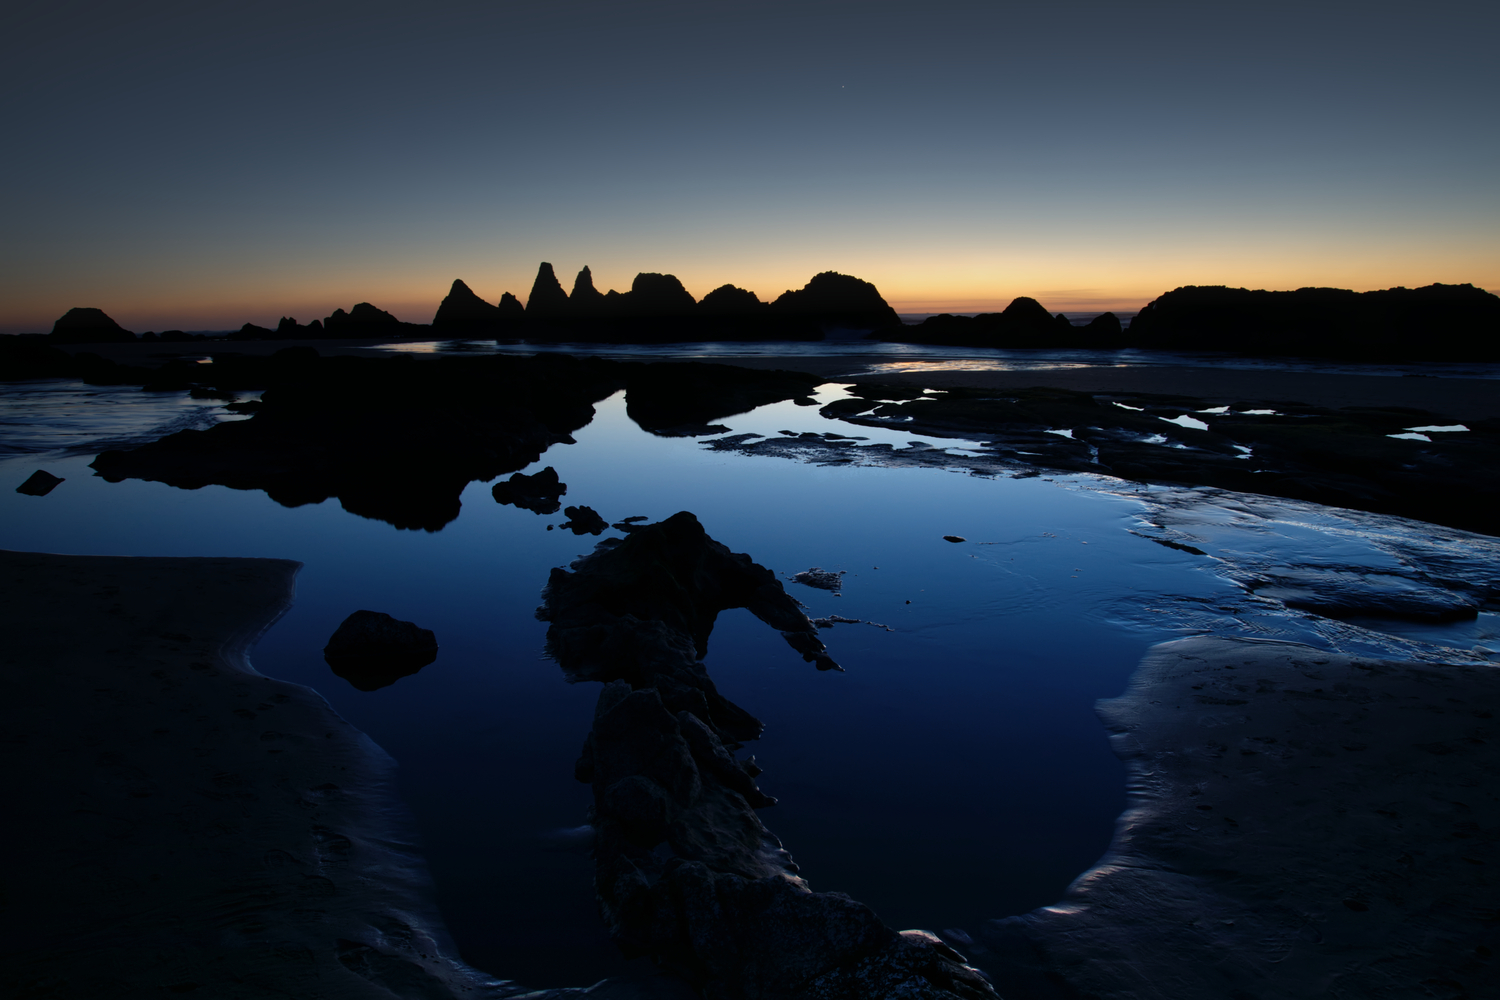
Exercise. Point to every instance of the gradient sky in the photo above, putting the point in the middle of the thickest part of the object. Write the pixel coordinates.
(197, 166)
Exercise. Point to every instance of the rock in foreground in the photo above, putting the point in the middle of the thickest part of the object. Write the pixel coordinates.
(685, 870)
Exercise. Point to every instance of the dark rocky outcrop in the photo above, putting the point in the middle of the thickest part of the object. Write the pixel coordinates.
(1345, 457)
(584, 521)
(830, 302)
(461, 311)
(686, 872)
(39, 483)
(372, 650)
(586, 300)
(363, 321)
(539, 493)
(84, 325)
(511, 310)
(681, 399)
(658, 296)
(729, 300)
(1433, 323)
(397, 440)
(547, 300)
(393, 439)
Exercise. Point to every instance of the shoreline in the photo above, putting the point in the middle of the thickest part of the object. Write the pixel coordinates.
(178, 842)
(191, 826)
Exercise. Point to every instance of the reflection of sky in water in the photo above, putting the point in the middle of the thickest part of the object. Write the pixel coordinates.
(955, 773)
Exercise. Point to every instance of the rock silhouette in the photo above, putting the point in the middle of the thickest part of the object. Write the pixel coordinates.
(584, 521)
(539, 493)
(685, 871)
(834, 301)
(393, 440)
(547, 299)
(1433, 323)
(463, 311)
(39, 483)
(372, 650)
(84, 325)
(585, 300)
(398, 440)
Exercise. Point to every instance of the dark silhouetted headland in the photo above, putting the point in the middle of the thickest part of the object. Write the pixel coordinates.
(88, 326)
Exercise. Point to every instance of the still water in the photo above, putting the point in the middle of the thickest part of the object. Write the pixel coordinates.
(954, 773)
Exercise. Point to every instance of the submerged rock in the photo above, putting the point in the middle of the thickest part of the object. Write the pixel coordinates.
(372, 650)
(821, 579)
(539, 493)
(686, 872)
(39, 484)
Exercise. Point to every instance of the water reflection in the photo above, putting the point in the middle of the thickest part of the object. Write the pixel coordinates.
(963, 743)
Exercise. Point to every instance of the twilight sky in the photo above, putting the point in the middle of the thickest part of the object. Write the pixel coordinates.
(197, 166)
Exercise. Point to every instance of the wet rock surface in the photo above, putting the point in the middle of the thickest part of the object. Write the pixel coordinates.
(1301, 824)
(820, 578)
(539, 493)
(372, 650)
(1337, 457)
(398, 440)
(686, 872)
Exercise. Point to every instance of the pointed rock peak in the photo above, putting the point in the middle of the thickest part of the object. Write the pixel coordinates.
(547, 296)
(584, 283)
(462, 307)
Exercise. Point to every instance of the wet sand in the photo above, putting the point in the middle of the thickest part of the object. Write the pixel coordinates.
(178, 823)
(1300, 824)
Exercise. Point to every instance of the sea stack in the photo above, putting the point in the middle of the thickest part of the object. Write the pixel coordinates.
(85, 325)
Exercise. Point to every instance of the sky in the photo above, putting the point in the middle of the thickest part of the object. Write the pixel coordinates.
(198, 166)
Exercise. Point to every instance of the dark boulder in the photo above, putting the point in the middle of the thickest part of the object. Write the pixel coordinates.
(39, 484)
(372, 650)
(538, 493)
(547, 299)
(82, 325)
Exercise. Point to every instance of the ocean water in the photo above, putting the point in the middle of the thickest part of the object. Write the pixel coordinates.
(955, 772)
